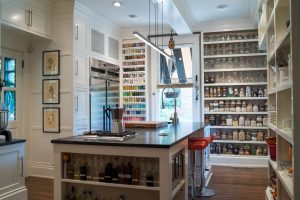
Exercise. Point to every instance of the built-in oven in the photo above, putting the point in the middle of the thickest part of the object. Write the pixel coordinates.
(104, 93)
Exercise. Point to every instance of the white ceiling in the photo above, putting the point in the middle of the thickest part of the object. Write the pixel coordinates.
(193, 12)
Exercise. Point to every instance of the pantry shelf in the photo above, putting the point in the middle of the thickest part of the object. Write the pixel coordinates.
(231, 41)
(238, 127)
(234, 84)
(287, 182)
(273, 164)
(237, 113)
(286, 134)
(236, 69)
(235, 98)
(239, 142)
(239, 160)
(282, 87)
(235, 55)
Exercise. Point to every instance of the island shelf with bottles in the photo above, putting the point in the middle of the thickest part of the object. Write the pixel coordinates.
(235, 97)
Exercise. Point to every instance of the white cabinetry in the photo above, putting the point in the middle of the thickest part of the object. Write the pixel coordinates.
(12, 172)
(22, 15)
(81, 36)
(81, 110)
(234, 94)
(81, 70)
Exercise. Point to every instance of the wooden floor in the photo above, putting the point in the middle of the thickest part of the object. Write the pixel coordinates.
(229, 184)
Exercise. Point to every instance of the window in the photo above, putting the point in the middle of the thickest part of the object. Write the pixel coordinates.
(181, 75)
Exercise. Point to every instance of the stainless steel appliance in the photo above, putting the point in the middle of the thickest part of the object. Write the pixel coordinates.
(4, 123)
(104, 93)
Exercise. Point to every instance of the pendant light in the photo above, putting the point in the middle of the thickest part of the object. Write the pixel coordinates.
(172, 61)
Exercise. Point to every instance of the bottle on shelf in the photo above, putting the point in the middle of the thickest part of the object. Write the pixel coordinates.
(150, 174)
(121, 171)
(128, 173)
(70, 168)
(66, 161)
(76, 167)
(108, 172)
(82, 169)
(135, 172)
(114, 172)
(101, 168)
(95, 169)
(89, 168)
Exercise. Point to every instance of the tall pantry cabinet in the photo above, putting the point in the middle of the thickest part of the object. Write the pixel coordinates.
(282, 41)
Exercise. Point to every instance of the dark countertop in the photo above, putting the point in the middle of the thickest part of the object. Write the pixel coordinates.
(3, 142)
(144, 137)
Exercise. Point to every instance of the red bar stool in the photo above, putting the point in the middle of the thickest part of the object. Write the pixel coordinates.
(199, 143)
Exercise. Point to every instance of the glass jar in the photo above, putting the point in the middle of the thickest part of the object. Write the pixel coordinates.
(229, 120)
(242, 92)
(248, 136)
(218, 149)
(215, 92)
(236, 150)
(247, 122)
(242, 120)
(255, 108)
(224, 136)
(265, 121)
(248, 91)
(224, 149)
(211, 106)
(219, 92)
(259, 151)
(266, 106)
(224, 92)
(253, 123)
(212, 120)
(249, 107)
(254, 136)
(227, 106)
(219, 137)
(206, 79)
(230, 149)
(253, 150)
(232, 106)
(216, 106)
(230, 92)
(206, 107)
(223, 120)
(260, 92)
(238, 106)
(218, 120)
(221, 106)
(236, 92)
(235, 121)
(206, 92)
(260, 135)
(244, 107)
(242, 135)
(241, 152)
(235, 135)
(230, 136)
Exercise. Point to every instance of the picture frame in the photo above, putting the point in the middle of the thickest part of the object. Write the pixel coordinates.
(51, 63)
(51, 91)
(51, 120)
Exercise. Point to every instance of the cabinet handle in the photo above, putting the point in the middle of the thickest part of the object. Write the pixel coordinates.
(76, 68)
(30, 18)
(76, 104)
(76, 32)
(22, 165)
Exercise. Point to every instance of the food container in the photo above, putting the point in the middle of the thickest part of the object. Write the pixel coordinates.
(229, 120)
(260, 135)
(218, 120)
(227, 106)
(206, 108)
(223, 120)
(236, 92)
(253, 123)
(242, 92)
(255, 108)
(235, 135)
(242, 135)
(259, 151)
(232, 106)
(238, 106)
(254, 136)
(212, 120)
(265, 121)
(230, 136)
(224, 149)
(248, 91)
(248, 136)
(249, 107)
(235, 121)
(206, 92)
(221, 106)
(242, 120)
(236, 150)
(247, 122)
(224, 136)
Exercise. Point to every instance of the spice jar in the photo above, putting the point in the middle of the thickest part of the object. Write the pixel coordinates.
(227, 106)
(242, 120)
(249, 107)
(254, 136)
(238, 106)
(230, 149)
(211, 92)
(260, 135)
(247, 122)
(221, 106)
(229, 120)
(224, 149)
(212, 120)
(259, 151)
(244, 107)
(242, 92)
(223, 120)
(242, 135)
(230, 136)
(255, 108)
(248, 136)
(265, 121)
(206, 107)
(236, 92)
(235, 121)
(219, 92)
(232, 106)
(235, 135)
(253, 123)
(216, 106)
(224, 136)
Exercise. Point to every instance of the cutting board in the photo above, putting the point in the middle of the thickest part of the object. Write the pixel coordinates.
(145, 124)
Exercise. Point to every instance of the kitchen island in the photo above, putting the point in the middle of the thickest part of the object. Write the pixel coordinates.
(152, 165)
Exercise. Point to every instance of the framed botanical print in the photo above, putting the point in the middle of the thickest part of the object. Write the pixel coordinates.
(51, 63)
(51, 89)
(51, 120)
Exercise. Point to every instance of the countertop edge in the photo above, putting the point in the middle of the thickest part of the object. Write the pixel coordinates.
(14, 141)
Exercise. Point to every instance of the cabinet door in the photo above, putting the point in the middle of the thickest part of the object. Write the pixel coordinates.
(81, 127)
(15, 14)
(81, 104)
(11, 168)
(80, 36)
(81, 70)
(40, 23)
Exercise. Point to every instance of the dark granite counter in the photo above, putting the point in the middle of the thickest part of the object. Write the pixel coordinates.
(3, 142)
(144, 137)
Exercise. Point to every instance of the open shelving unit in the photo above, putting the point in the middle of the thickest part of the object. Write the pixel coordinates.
(282, 34)
(232, 61)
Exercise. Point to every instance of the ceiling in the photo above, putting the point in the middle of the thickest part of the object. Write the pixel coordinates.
(189, 13)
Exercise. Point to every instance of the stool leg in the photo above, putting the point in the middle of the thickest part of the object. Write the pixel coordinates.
(203, 192)
(193, 164)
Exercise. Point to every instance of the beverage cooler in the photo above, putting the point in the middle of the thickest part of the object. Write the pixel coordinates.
(104, 93)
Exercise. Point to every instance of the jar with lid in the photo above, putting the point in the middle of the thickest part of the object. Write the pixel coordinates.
(260, 92)
(259, 121)
(241, 152)
(260, 135)
(242, 120)
(211, 106)
(229, 135)
(230, 149)
(219, 92)
(247, 122)
(255, 108)
(216, 106)
(218, 120)
(223, 120)
(253, 123)
(236, 150)
(206, 92)
(224, 149)
(229, 120)
(232, 106)
(230, 92)
(212, 120)
(254, 92)
(235, 121)
(249, 107)
(224, 91)
(259, 151)
(248, 136)
(227, 106)
(221, 106)
(238, 106)
(265, 121)
(242, 92)
(206, 107)
(235, 135)
(215, 92)
(207, 119)
(218, 135)
(248, 91)
(254, 136)
(244, 107)
(206, 79)
(242, 135)
(218, 148)
(236, 92)
(224, 136)
(211, 92)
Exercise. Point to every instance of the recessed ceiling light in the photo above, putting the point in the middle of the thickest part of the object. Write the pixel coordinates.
(132, 16)
(222, 6)
(117, 3)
